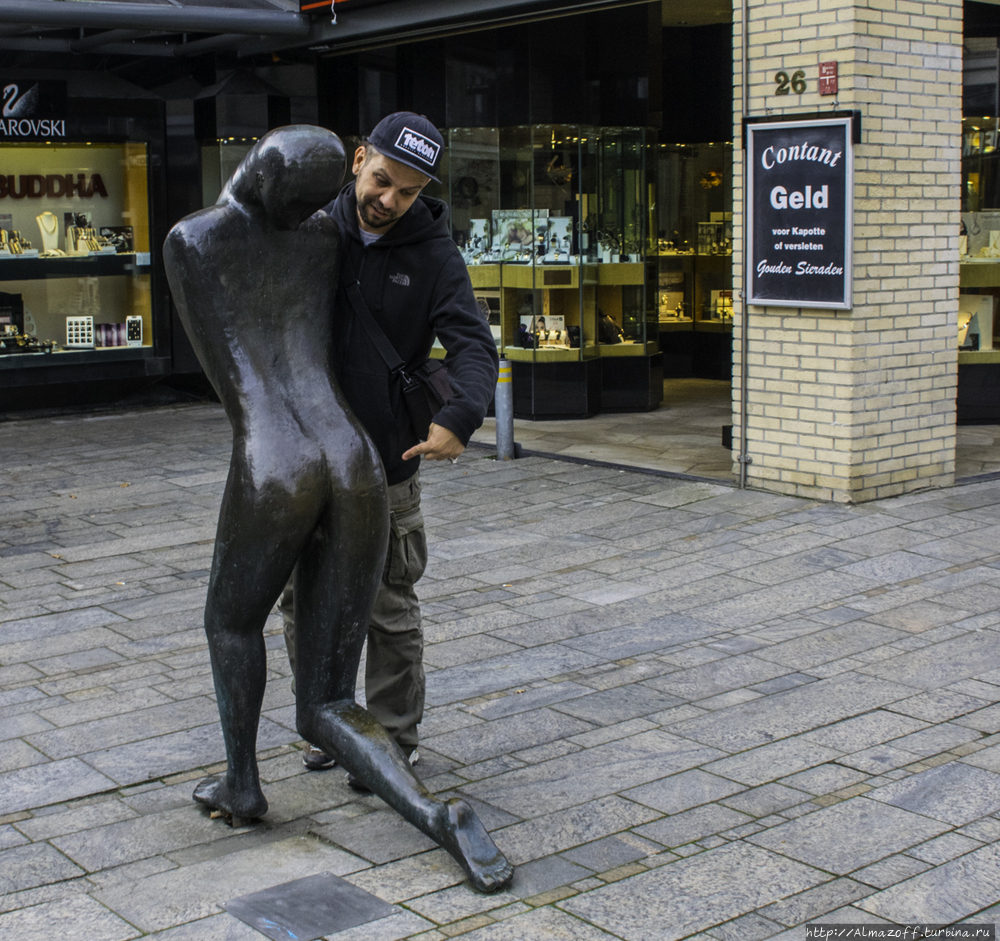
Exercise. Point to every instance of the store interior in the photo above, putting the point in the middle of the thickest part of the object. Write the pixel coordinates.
(683, 437)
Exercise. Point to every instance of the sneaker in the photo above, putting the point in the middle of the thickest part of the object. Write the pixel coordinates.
(315, 759)
(412, 757)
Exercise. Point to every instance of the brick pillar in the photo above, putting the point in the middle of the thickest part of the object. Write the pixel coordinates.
(860, 404)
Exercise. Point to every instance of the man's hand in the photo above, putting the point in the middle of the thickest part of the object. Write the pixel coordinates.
(440, 444)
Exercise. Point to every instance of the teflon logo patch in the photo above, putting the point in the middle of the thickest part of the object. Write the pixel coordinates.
(415, 144)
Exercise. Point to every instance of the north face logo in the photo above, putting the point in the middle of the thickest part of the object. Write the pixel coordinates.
(419, 146)
(403, 280)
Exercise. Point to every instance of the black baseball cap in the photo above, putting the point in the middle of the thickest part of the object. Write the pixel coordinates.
(411, 139)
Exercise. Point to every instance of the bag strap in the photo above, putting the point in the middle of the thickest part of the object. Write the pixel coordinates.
(375, 333)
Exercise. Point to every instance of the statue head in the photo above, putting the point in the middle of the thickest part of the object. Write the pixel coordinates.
(290, 173)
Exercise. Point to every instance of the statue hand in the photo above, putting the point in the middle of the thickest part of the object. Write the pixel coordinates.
(440, 444)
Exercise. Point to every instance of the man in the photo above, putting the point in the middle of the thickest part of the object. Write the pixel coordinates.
(397, 243)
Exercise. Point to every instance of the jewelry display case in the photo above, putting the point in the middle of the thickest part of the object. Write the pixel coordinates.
(691, 279)
(75, 269)
(551, 223)
(978, 393)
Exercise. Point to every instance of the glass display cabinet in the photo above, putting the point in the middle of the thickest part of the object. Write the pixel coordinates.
(690, 285)
(550, 221)
(74, 253)
(978, 340)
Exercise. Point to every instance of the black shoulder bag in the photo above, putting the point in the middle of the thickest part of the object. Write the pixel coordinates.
(426, 389)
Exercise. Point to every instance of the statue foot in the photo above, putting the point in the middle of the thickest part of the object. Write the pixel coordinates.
(214, 792)
(464, 836)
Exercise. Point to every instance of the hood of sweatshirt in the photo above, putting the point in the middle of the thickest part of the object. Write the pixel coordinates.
(426, 219)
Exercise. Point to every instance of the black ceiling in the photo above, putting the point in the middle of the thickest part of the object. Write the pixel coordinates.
(186, 28)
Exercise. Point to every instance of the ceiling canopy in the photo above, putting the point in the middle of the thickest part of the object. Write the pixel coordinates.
(249, 27)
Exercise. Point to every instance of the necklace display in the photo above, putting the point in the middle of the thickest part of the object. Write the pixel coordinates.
(48, 227)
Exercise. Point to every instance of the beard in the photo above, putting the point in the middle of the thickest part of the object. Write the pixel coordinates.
(372, 214)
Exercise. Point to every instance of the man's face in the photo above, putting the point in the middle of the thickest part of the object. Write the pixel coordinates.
(385, 189)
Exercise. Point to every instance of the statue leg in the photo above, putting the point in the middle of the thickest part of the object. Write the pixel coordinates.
(259, 537)
(336, 580)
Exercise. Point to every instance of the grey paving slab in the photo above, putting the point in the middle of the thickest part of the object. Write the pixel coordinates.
(825, 644)
(102, 847)
(879, 758)
(618, 704)
(983, 720)
(694, 824)
(224, 927)
(939, 738)
(83, 639)
(849, 835)
(450, 905)
(612, 851)
(467, 681)
(939, 705)
(176, 751)
(778, 759)
(135, 724)
(988, 758)
(616, 766)
(711, 679)
(891, 870)
(509, 734)
(74, 919)
(694, 894)
(943, 848)
(944, 663)
(752, 607)
(942, 895)
(466, 650)
(82, 816)
(650, 635)
(955, 793)
(565, 829)
(874, 728)
(48, 625)
(49, 783)
(543, 924)
(24, 867)
(410, 877)
(17, 754)
(380, 837)
(10, 837)
(768, 799)
(192, 892)
(792, 711)
(682, 791)
(814, 903)
(824, 779)
(541, 875)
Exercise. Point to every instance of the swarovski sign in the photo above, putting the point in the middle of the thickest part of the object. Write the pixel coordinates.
(32, 110)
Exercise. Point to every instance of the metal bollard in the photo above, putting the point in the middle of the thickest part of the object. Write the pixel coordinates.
(503, 404)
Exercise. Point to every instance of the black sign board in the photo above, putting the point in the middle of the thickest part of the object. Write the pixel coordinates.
(800, 177)
(32, 110)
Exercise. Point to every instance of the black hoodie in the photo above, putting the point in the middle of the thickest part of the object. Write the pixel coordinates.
(416, 287)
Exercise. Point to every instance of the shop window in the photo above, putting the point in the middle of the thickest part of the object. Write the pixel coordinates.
(74, 251)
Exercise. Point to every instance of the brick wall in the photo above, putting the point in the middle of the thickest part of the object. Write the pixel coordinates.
(860, 404)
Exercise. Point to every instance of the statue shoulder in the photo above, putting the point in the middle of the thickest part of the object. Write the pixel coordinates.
(196, 232)
(322, 223)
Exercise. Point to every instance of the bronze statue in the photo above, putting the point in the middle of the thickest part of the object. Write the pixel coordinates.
(254, 279)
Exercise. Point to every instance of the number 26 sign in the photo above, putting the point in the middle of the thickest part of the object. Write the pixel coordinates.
(797, 83)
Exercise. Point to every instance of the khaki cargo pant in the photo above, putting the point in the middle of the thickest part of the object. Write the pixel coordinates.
(394, 673)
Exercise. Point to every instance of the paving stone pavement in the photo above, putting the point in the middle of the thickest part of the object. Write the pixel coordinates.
(681, 709)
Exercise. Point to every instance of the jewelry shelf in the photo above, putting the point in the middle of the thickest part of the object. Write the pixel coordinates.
(69, 266)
